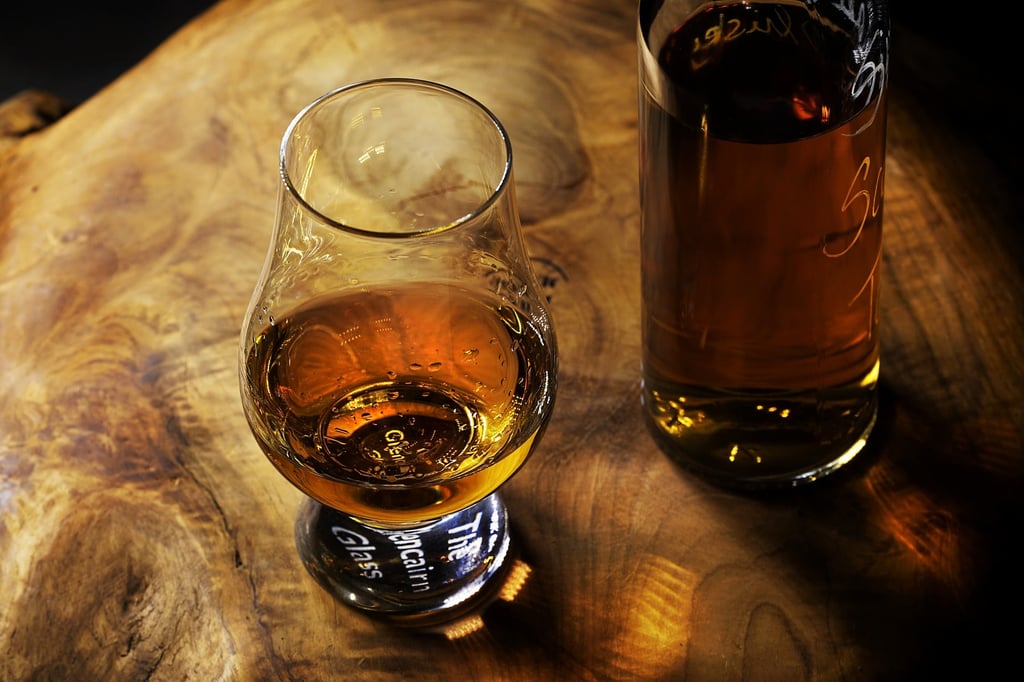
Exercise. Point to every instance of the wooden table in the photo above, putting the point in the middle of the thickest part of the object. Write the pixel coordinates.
(144, 536)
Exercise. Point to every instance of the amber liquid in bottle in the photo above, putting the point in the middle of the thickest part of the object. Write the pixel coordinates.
(761, 186)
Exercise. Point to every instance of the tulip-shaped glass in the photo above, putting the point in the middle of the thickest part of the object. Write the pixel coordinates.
(397, 360)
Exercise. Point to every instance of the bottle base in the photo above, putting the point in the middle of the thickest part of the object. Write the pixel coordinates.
(766, 441)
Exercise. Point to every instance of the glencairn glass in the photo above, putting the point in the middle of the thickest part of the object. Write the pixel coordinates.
(397, 360)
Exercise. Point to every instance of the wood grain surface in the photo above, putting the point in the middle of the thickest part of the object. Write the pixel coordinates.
(144, 536)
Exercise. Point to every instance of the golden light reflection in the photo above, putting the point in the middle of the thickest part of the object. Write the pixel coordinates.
(928, 531)
(655, 621)
(871, 378)
(463, 627)
(517, 577)
(511, 588)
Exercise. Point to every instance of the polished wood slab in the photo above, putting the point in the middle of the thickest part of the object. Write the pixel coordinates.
(144, 536)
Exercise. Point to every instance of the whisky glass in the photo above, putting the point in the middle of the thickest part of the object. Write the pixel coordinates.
(397, 360)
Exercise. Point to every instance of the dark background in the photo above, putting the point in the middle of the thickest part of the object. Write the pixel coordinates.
(74, 50)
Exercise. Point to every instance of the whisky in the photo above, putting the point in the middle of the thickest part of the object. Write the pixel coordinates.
(399, 405)
(761, 188)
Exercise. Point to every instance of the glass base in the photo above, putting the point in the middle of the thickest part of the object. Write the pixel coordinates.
(419, 577)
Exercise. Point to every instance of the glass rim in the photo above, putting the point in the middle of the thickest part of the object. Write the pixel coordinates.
(412, 83)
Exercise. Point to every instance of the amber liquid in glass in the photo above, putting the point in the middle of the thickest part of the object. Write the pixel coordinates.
(399, 405)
